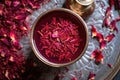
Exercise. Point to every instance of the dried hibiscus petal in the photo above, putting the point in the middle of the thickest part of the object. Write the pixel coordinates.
(113, 26)
(109, 37)
(106, 22)
(16, 3)
(8, 2)
(91, 76)
(97, 55)
(94, 31)
(103, 45)
(93, 55)
(100, 37)
(1, 9)
(96, 34)
(20, 16)
(74, 78)
(108, 12)
(5, 41)
(110, 65)
(111, 2)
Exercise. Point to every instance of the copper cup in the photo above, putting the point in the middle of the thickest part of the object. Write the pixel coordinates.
(46, 17)
(84, 8)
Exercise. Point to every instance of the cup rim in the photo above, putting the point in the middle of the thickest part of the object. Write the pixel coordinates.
(36, 51)
(85, 4)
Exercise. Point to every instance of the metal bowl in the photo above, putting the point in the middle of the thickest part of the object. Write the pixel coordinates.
(65, 14)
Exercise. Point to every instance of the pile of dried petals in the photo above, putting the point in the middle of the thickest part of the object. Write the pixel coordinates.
(108, 23)
(59, 39)
(13, 26)
(11, 64)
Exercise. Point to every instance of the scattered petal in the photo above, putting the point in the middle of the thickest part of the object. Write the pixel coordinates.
(110, 37)
(91, 76)
(74, 78)
(106, 22)
(108, 11)
(103, 45)
(100, 37)
(110, 65)
(93, 55)
(94, 31)
(111, 2)
(113, 26)
(97, 55)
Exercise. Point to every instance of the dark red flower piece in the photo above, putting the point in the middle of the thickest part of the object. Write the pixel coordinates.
(91, 76)
(8, 2)
(103, 44)
(110, 37)
(34, 5)
(106, 22)
(97, 55)
(94, 31)
(110, 65)
(74, 78)
(16, 3)
(100, 37)
(111, 2)
(113, 26)
(20, 16)
(13, 37)
(1, 9)
(108, 12)
(93, 55)
(117, 4)
(5, 41)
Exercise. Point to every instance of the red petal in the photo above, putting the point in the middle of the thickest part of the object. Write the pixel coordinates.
(33, 4)
(55, 34)
(103, 45)
(109, 37)
(12, 36)
(20, 16)
(100, 37)
(93, 54)
(16, 3)
(106, 22)
(94, 31)
(110, 65)
(91, 76)
(1, 9)
(8, 2)
(111, 3)
(99, 57)
(113, 26)
(108, 11)
(5, 41)
(39, 32)
(74, 78)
